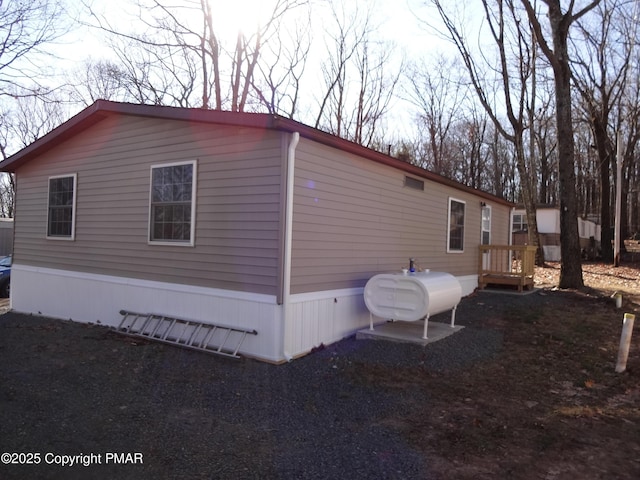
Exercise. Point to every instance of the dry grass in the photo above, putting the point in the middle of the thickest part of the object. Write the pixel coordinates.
(550, 405)
(605, 279)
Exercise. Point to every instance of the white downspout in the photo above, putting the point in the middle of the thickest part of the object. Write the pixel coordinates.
(513, 209)
(288, 234)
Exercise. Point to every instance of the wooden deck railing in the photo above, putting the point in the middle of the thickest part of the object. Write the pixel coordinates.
(507, 265)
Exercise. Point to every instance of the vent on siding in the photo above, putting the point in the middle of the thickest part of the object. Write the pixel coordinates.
(414, 183)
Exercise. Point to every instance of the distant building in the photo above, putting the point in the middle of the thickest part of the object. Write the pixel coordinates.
(6, 236)
(548, 219)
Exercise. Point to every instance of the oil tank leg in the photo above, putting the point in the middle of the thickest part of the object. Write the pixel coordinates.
(370, 321)
(453, 316)
(426, 325)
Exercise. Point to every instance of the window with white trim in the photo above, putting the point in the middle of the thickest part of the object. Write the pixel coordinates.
(486, 225)
(455, 232)
(172, 203)
(61, 207)
(520, 222)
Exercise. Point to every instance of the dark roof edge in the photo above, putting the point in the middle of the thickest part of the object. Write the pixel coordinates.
(102, 109)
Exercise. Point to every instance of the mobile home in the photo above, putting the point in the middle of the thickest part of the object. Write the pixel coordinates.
(247, 220)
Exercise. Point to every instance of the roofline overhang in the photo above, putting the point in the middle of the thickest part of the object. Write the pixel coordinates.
(102, 109)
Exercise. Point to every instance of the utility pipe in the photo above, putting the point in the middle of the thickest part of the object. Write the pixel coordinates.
(625, 342)
(288, 234)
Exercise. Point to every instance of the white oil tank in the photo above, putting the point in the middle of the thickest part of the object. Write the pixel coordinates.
(412, 296)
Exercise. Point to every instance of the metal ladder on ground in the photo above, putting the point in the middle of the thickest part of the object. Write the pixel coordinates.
(193, 334)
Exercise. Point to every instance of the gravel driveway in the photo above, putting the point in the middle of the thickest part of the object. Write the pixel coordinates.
(79, 393)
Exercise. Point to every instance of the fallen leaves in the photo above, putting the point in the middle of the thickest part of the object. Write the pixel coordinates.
(603, 277)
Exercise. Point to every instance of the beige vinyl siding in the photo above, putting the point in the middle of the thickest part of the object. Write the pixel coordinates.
(500, 223)
(354, 218)
(238, 197)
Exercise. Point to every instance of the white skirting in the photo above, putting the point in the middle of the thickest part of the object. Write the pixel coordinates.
(312, 318)
(92, 298)
(468, 284)
(323, 318)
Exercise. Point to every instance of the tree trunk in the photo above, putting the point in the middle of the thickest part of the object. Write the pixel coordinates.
(604, 157)
(571, 267)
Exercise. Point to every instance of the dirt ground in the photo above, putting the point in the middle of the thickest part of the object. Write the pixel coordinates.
(550, 405)
(546, 403)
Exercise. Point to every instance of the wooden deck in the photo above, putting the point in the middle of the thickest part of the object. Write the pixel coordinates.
(507, 265)
(5, 305)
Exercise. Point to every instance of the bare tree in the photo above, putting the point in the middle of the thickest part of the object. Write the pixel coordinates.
(357, 86)
(97, 79)
(351, 32)
(180, 59)
(587, 171)
(7, 196)
(514, 59)
(166, 60)
(476, 130)
(600, 73)
(557, 54)
(25, 29)
(7, 180)
(22, 122)
(503, 171)
(33, 117)
(629, 125)
(375, 89)
(544, 155)
(278, 85)
(438, 93)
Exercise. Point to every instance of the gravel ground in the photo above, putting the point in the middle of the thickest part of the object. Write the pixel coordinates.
(73, 389)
